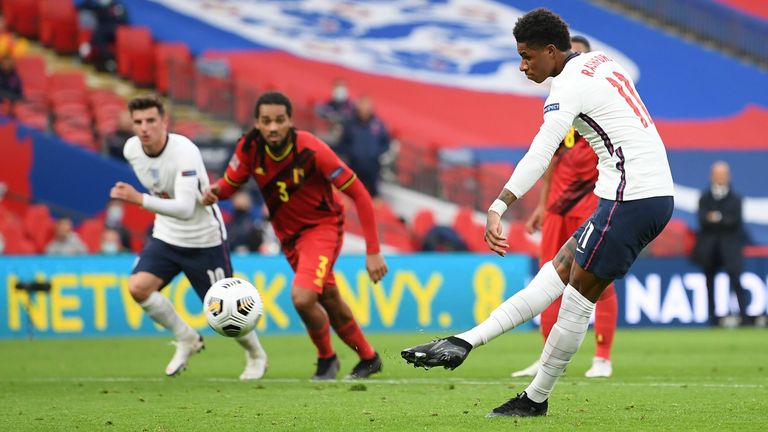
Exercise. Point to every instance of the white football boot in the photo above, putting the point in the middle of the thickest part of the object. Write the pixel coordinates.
(255, 367)
(530, 371)
(601, 368)
(184, 350)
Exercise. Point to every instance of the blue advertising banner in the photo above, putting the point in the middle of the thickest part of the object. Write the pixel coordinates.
(671, 291)
(89, 294)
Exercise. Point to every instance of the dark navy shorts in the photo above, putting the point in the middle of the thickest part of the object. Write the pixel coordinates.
(612, 238)
(202, 266)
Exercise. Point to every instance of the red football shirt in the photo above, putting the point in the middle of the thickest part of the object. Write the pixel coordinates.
(296, 186)
(573, 178)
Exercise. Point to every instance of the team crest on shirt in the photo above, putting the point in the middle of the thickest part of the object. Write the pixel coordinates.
(155, 174)
(552, 107)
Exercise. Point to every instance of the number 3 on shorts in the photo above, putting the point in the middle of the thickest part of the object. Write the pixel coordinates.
(322, 267)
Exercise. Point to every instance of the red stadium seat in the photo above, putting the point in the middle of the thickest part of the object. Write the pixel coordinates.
(22, 16)
(135, 55)
(171, 56)
(58, 25)
(422, 222)
(38, 225)
(90, 233)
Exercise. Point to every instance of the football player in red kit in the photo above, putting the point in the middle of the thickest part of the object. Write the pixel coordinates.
(566, 201)
(296, 173)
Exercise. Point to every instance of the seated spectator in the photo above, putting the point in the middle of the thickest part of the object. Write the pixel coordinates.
(102, 17)
(441, 238)
(10, 85)
(65, 240)
(111, 243)
(335, 111)
(114, 142)
(243, 230)
(113, 220)
(363, 140)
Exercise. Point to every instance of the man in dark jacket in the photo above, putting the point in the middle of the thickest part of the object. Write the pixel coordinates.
(721, 238)
(363, 140)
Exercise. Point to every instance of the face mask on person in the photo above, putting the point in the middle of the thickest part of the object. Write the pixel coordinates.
(340, 94)
(114, 215)
(109, 248)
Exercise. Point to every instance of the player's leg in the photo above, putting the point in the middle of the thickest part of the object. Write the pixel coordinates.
(545, 288)
(204, 267)
(606, 314)
(345, 325)
(310, 270)
(608, 243)
(554, 234)
(157, 265)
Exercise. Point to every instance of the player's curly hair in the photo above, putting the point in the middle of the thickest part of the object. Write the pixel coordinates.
(541, 27)
(147, 101)
(273, 98)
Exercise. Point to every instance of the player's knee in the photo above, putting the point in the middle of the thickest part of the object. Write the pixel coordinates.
(139, 291)
(303, 300)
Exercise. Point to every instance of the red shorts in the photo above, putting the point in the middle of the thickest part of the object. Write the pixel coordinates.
(313, 256)
(555, 231)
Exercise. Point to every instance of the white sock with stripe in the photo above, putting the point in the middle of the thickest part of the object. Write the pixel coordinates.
(544, 289)
(160, 309)
(250, 342)
(564, 340)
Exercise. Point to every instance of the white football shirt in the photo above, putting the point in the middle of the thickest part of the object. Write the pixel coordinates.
(597, 96)
(175, 180)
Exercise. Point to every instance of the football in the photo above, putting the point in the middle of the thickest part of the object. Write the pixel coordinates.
(232, 307)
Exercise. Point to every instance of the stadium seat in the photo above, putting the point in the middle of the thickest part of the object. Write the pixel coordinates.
(38, 225)
(90, 233)
(519, 241)
(422, 222)
(135, 55)
(22, 16)
(676, 240)
(171, 56)
(58, 25)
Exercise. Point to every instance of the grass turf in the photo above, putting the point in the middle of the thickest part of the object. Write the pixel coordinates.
(663, 380)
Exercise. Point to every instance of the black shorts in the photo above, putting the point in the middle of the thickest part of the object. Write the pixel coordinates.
(202, 266)
(611, 239)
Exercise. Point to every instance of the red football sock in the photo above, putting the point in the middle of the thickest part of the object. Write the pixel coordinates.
(549, 316)
(606, 313)
(322, 339)
(351, 334)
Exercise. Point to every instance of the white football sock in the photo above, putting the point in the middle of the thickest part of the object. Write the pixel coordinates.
(250, 342)
(160, 309)
(564, 340)
(544, 289)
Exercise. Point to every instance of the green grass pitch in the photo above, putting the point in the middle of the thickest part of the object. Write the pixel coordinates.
(671, 380)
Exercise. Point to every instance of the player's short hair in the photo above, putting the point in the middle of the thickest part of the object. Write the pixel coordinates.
(273, 98)
(541, 27)
(146, 101)
(582, 40)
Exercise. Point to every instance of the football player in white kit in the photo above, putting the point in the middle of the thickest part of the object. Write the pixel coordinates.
(594, 94)
(187, 236)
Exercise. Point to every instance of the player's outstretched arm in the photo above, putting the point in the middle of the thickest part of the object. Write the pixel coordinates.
(374, 261)
(126, 192)
(210, 195)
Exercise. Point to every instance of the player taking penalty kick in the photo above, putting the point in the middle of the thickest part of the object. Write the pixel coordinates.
(594, 94)
(566, 201)
(297, 173)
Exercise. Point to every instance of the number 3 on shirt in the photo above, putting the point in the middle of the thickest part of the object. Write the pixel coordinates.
(283, 191)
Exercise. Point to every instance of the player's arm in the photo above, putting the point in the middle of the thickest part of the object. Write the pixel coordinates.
(530, 168)
(339, 174)
(237, 173)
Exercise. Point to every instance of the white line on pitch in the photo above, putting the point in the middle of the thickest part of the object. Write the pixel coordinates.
(427, 381)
